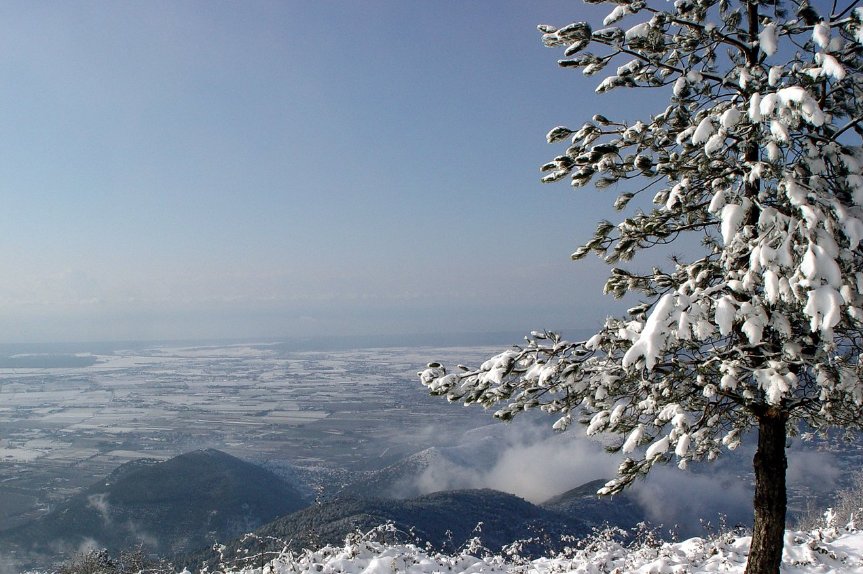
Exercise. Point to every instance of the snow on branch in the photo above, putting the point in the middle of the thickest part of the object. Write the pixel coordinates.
(756, 151)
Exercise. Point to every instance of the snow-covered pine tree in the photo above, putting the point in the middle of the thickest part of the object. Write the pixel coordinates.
(758, 153)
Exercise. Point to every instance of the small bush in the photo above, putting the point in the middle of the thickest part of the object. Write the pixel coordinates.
(847, 508)
(127, 562)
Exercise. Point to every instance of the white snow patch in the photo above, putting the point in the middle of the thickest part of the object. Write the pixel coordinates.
(768, 39)
(730, 118)
(830, 66)
(650, 341)
(658, 448)
(824, 307)
(821, 34)
(732, 217)
(633, 439)
(704, 130)
(637, 31)
(726, 309)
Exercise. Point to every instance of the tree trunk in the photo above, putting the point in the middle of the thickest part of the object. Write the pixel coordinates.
(765, 552)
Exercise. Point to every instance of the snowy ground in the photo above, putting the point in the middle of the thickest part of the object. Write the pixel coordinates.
(823, 551)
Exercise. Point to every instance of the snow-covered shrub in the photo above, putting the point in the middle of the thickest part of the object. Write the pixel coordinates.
(607, 551)
(845, 511)
(133, 561)
(848, 508)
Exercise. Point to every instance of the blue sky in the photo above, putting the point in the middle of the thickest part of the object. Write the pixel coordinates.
(268, 169)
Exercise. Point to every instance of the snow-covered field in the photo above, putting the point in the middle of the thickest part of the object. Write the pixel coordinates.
(821, 551)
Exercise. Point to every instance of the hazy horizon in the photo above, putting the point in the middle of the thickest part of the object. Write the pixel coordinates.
(293, 343)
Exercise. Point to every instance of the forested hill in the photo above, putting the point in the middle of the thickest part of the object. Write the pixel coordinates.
(172, 507)
(446, 520)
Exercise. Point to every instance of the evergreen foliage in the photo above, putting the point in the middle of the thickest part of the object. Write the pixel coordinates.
(757, 152)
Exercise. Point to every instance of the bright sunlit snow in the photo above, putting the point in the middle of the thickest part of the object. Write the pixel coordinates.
(824, 551)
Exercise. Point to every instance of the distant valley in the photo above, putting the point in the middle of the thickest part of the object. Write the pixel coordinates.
(328, 412)
(177, 448)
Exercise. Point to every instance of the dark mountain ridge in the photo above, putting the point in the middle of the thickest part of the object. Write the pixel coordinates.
(171, 507)
(182, 506)
(446, 520)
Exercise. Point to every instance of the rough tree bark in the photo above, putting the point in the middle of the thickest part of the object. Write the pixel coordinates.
(765, 553)
(770, 463)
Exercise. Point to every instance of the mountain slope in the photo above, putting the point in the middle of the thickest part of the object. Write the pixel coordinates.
(582, 503)
(402, 478)
(170, 507)
(444, 519)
